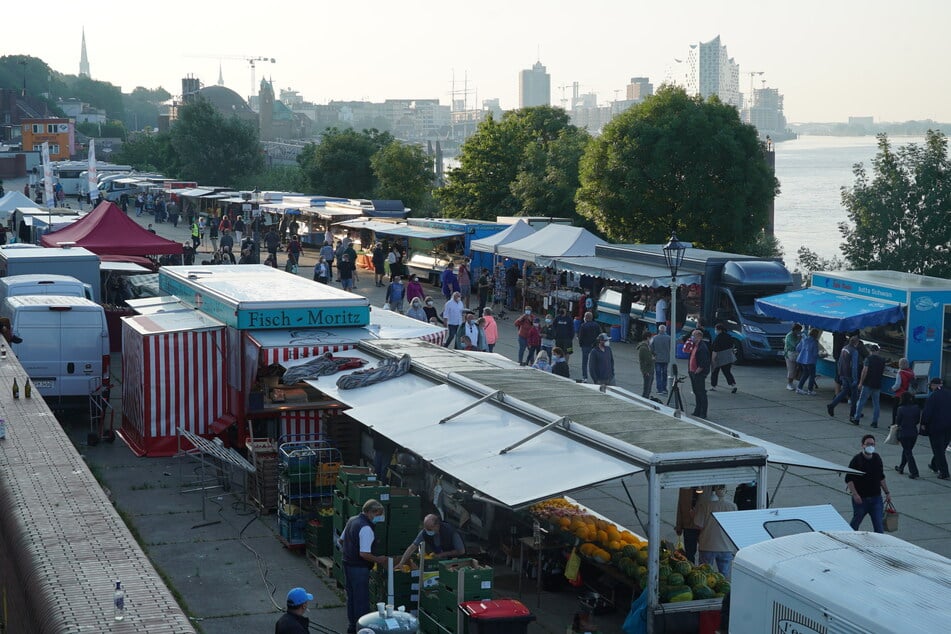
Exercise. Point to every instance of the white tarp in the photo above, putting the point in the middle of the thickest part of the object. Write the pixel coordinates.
(622, 271)
(490, 244)
(554, 241)
(469, 446)
(745, 528)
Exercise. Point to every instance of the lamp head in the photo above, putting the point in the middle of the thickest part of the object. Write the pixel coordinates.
(674, 253)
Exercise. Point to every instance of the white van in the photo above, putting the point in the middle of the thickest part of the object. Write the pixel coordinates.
(39, 284)
(65, 347)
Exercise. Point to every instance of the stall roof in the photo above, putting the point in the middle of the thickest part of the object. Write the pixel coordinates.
(470, 446)
(490, 244)
(830, 310)
(400, 229)
(181, 321)
(896, 279)
(552, 242)
(123, 267)
(194, 192)
(622, 271)
(162, 304)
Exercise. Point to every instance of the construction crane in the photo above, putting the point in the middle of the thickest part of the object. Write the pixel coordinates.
(751, 74)
(251, 61)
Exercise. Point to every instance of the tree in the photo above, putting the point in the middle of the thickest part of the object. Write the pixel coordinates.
(525, 164)
(340, 164)
(899, 216)
(808, 262)
(678, 163)
(150, 153)
(212, 149)
(404, 172)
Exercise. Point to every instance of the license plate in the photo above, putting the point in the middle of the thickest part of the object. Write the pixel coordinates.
(44, 384)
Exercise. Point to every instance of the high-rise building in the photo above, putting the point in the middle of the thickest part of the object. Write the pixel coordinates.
(639, 88)
(534, 87)
(83, 59)
(709, 70)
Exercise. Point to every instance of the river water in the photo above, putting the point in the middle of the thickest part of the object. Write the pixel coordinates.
(812, 171)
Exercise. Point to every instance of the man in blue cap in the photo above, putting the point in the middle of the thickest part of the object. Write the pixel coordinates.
(293, 621)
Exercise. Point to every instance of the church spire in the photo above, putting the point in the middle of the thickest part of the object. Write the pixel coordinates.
(83, 59)
(221, 77)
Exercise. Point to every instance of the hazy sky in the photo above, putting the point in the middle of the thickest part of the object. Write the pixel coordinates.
(831, 59)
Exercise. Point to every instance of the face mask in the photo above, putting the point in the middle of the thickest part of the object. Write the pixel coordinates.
(379, 519)
(429, 303)
(870, 449)
(431, 533)
(548, 321)
(528, 312)
(607, 344)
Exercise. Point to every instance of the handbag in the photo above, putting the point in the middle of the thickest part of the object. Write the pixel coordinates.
(892, 438)
(890, 518)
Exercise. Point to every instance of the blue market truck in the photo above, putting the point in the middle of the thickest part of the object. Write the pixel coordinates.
(717, 287)
(906, 315)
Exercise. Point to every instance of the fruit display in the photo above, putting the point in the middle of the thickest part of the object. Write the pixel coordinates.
(604, 542)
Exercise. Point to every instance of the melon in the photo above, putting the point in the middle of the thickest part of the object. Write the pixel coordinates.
(678, 594)
(702, 592)
(675, 579)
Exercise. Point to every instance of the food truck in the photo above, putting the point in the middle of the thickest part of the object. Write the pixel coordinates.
(906, 315)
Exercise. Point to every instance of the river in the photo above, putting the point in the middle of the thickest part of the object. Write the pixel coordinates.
(812, 171)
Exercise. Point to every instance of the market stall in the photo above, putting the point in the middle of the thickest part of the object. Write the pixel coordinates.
(906, 315)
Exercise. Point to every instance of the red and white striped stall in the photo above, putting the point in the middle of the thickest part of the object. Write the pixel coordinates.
(173, 374)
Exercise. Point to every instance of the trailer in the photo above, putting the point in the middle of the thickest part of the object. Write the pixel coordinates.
(906, 315)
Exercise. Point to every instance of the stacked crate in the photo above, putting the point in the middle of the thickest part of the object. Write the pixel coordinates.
(405, 587)
(262, 485)
(459, 580)
(343, 509)
(344, 433)
(318, 535)
(305, 486)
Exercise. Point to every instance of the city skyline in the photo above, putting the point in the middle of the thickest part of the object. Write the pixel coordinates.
(829, 60)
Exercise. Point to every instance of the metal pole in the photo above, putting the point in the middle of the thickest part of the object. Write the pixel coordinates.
(672, 309)
(653, 545)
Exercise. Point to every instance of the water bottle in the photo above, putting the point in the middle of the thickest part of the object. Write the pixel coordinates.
(118, 602)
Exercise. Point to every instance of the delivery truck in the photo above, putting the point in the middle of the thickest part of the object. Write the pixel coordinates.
(804, 570)
(75, 262)
(721, 288)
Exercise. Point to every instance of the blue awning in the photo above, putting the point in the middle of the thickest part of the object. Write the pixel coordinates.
(830, 311)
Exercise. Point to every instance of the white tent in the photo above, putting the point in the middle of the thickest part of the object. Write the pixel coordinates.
(490, 244)
(9, 203)
(552, 242)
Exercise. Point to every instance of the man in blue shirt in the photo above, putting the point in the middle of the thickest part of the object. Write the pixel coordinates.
(848, 371)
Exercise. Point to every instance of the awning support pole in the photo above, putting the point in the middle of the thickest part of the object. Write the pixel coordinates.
(782, 475)
(653, 546)
(474, 403)
(563, 419)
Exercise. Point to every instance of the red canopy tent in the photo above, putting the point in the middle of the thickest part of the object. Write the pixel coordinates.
(107, 230)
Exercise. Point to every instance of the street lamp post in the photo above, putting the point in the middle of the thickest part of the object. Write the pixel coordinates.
(674, 257)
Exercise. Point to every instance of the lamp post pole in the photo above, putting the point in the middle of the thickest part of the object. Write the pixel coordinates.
(674, 256)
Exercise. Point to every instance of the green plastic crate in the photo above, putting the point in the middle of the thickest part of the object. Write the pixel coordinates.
(348, 474)
(360, 492)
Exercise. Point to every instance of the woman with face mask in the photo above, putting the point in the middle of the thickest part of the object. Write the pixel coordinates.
(430, 309)
(866, 488)
(416, 310)
(415, 290)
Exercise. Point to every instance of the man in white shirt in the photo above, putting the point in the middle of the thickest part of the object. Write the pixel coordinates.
(452, 315)
(356, 543)
(660, 311)
(470, 328)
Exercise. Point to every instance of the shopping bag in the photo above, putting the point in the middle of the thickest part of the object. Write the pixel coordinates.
(890, 519)
(573, 566)
(892, 438)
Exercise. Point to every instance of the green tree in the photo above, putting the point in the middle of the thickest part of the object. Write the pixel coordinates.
(899, 214)
(110, 129)
(678, 163)
(525, 164)
(212, 149)
(404, 172)
(340, 164)
(284, 178)
(150, 153)
(808, 262)
(98, 94)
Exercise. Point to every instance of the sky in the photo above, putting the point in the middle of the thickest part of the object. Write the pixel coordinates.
(830, 59)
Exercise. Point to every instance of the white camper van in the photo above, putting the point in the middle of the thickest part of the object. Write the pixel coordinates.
(39, 284)
(65, 342)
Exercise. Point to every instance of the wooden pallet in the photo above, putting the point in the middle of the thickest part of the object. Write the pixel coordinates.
(323, 564)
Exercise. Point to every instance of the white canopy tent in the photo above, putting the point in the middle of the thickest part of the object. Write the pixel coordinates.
(490, 244)
(10, 202)
(553, 241)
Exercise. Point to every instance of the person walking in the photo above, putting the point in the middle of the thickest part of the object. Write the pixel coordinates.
(395, 293)
(601, 363)
(227, 246)
(866, 488)
(239, 229)
(432, 316)
(293, 253)
(902, 384)
(936, 421)
(564, 331)
(293, 620)
(213, 236)
(723, 358)
(483, 289)
(449, 282)
(379, 263)
(524, 325)
(465, 281)
(588, 334)
(271, 242)
(793, 337)
(534, 340)
(870, 384)
(908, 419)
(452, 314)
(660, 348)
(321, 271)
(471, 329)
(645, 359)
(347, 272)
(807, 355)
(414, 290)
(326, 252)
(196, 234)
(416, 310)
(547, 330)
(848, 371)
(491, 328)
(716, 549)
(698, 368)
(356, 543)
